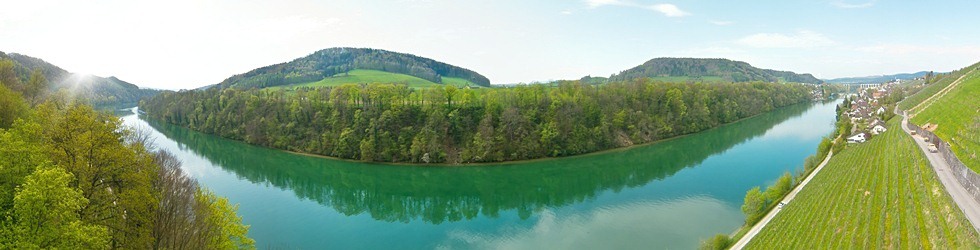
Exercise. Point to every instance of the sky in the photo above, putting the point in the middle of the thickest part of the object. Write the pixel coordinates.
(182, 44)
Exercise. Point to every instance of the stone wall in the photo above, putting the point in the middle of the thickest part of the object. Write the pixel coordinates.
(969, 179)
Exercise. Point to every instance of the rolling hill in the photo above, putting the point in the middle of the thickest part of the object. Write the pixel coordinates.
(337, 66)
(101, 92)
(376, 76)
(709, 70)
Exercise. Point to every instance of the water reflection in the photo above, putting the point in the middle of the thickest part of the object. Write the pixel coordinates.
(439, 194)
(607, 228)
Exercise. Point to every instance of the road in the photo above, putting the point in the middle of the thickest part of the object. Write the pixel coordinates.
(963, 199)
(786, 200)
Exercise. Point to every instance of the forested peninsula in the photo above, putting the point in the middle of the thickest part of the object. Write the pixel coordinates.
(396, 123)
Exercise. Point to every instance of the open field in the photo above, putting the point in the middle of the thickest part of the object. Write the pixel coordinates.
(957, 115)
(374, 76)
(877, 195)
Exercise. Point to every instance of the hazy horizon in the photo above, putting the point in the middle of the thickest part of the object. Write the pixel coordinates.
(189, 44)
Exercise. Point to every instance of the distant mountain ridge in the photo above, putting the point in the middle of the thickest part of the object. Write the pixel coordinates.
(99, 91)
(329, 62)
(723, 69)
(879, 78)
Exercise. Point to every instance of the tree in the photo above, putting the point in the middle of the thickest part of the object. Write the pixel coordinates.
(115, 178)
(175, 226)
(12, 106)
(46, 212)
(367, 149)
(35, 87)
(782, 186)
(21, 153)
(718, 242)
(755, 204)
(8, 75)
(225, 225)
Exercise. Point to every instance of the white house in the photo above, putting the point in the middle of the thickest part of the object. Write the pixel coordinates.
(878, 129)
(858, 138)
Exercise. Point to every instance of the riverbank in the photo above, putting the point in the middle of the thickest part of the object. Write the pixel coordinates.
(803, 105)
(697, 181)
(879, 194)
(745, 238)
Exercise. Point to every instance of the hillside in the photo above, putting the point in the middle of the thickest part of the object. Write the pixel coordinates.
(375, 76)
(328, 63)
(101, 92)
(864, 199)
(709, 70)
(955, 111)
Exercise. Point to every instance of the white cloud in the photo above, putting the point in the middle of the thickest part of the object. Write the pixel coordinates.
(667, 9)
(630, 226)
(802, 39)
(846, 5)
(600, 3)
(566, 12)
(721, 23)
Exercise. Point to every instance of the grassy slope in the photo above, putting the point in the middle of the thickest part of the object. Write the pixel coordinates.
(877, 195)
(958, 116)
(688, 79)
(374, 76)
(933, 88)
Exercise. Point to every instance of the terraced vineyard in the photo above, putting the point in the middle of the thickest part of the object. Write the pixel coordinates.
(934, 88)
(878, 195)
(957, 115)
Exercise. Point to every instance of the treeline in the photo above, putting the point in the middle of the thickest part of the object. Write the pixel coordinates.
(394, 123)
(72, 178)
(733, 71)
(449, 196)
(329, 62)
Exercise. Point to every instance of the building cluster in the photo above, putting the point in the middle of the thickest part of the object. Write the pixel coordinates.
(867, 109)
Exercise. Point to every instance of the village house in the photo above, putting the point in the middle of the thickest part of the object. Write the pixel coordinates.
(878, 129)
(858, 138)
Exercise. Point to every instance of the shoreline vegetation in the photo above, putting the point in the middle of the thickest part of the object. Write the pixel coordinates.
(75, 178)
(904, 96)
(759, 202)
(396, 124)
(515, 162)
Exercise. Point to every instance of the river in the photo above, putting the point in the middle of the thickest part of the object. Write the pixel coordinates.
(666, 195)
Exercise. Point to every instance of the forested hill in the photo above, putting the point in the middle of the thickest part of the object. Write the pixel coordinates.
(396, 123)
(104, 92)
(709, 69)
(329, 62)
